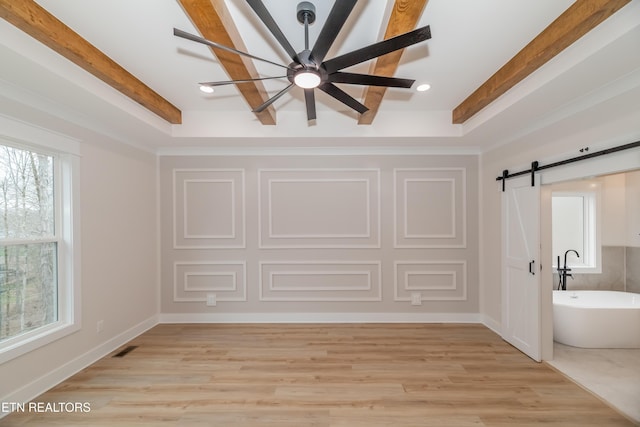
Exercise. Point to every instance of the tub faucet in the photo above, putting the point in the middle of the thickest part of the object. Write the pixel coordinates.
(564, 271)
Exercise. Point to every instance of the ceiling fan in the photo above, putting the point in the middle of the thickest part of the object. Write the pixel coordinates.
(308, 69)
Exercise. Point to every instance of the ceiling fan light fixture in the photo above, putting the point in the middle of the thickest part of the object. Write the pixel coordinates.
(307, 79)
(423, 87)
(206, 89)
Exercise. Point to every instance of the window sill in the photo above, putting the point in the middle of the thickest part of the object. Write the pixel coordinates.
(32, 340)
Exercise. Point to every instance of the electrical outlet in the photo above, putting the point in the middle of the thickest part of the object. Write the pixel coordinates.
(416, 298)
(211, 300)
(100, 326)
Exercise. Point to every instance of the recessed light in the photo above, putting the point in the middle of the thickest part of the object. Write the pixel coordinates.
(423, 87)
(206, 89)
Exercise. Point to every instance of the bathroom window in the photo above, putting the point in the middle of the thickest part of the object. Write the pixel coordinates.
(575, 226)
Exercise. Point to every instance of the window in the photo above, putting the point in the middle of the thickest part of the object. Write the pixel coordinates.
(38, 300)
(28, 254)
(575, 226)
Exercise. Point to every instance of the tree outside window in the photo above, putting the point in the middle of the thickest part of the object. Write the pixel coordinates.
(28, 242)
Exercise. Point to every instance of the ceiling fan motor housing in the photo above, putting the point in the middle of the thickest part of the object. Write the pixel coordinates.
(308, 10)
(306, 65)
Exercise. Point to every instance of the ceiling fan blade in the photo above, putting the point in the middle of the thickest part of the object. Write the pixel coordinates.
(377, 49)
(337, 17)
(198, 39)
(342, 96)
(232, 82)
(310, 100)
(272, 99)
(370, 80)
(260, 9)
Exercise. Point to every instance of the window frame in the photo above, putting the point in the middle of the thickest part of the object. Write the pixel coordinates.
(66, 160)
(592, 255)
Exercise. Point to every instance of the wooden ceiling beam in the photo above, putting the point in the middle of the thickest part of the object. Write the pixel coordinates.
(214, 22)
(30, 17)
(404, 18)
(580, 18)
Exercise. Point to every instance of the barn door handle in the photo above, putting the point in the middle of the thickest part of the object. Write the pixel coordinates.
(531, 264)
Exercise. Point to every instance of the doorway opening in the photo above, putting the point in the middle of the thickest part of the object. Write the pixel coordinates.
(611, 373)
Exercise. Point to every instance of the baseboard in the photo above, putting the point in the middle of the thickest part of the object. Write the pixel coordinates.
(46, 382)
(492, 324)
(319, 318)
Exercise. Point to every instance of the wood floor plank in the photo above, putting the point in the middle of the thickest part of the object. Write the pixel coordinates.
(322, 376)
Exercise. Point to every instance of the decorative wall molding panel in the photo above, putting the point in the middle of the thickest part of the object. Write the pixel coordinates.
(193, 281)
(319, 208)
(432, 280)
(320, 281)
(295, 236)
(208, 208)
(430, 208)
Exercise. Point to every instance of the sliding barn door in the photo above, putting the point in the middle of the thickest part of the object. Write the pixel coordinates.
(520, 266)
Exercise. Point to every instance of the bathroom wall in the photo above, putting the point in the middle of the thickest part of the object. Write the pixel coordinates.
(620, 235)
(632, 185)
(633, 269)
(620, 272)
(633, 231)
(612, 278)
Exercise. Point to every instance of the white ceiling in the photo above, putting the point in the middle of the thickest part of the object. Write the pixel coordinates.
(471, 39)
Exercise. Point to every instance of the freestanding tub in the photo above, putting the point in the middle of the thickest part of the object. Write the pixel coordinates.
(596, 319)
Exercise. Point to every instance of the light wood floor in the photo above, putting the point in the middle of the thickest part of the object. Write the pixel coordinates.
(323, 375)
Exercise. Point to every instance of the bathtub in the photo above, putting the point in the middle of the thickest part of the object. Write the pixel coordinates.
(596, 319)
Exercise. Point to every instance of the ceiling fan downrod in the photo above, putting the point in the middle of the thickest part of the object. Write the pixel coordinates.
(306, 14)
(306, 74)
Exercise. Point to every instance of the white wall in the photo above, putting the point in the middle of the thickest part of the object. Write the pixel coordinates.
(633, 208)
(319, 237)
(118, 283)
(614, 210)
(621, 209)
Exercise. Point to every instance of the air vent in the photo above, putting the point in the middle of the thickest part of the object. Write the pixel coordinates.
(125, 351)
